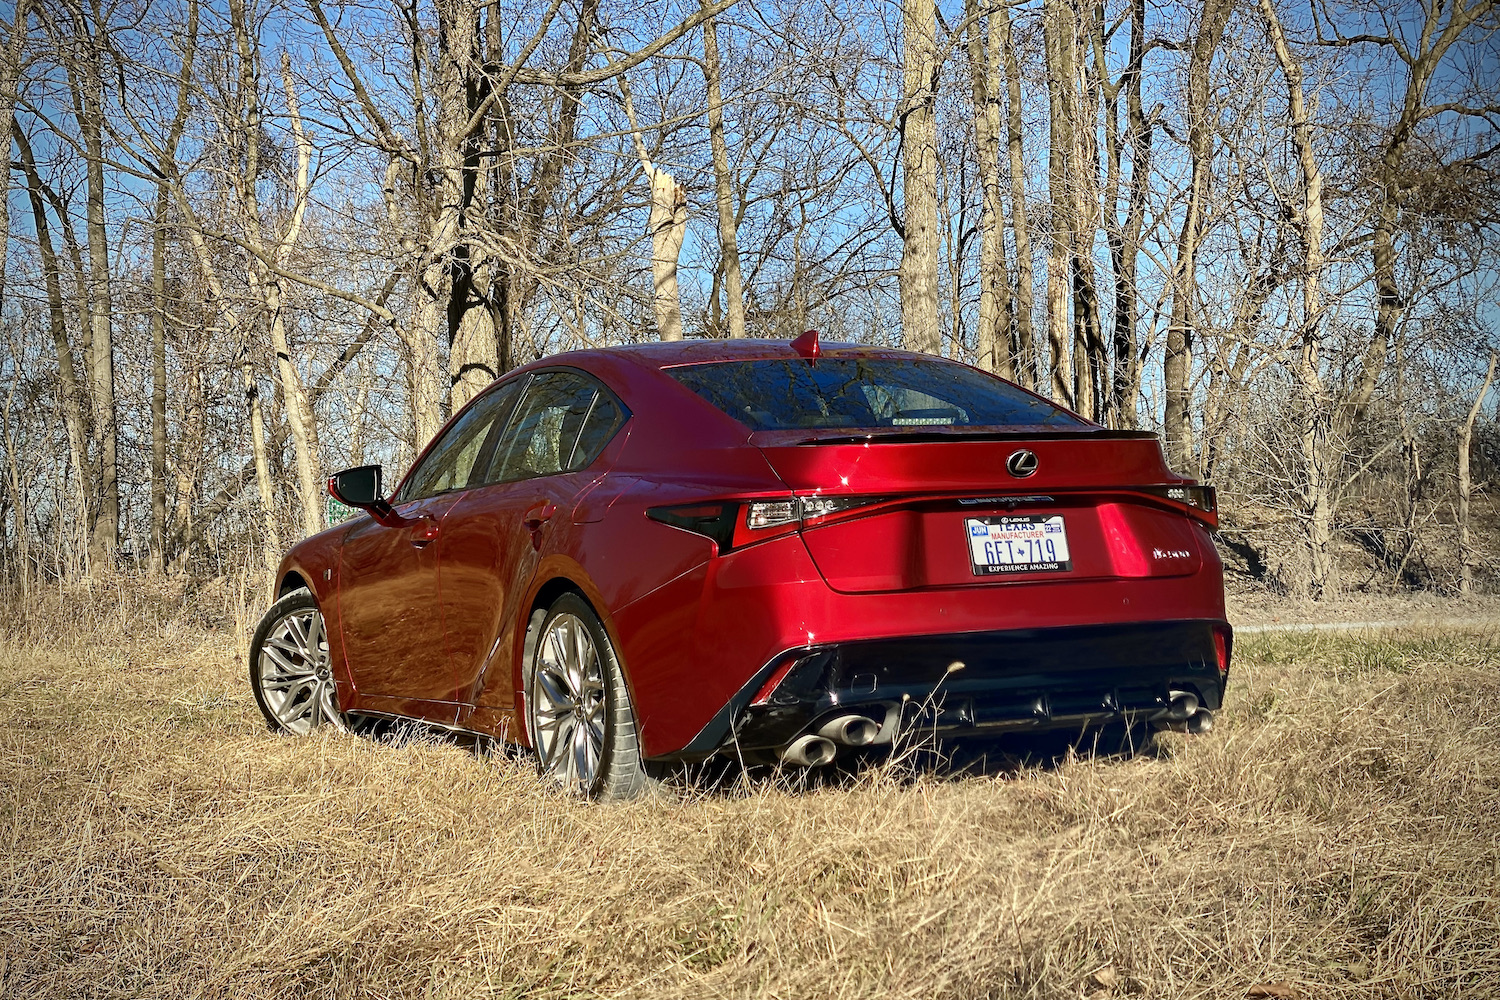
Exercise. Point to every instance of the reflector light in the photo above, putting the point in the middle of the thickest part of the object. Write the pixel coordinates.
(1222, 641)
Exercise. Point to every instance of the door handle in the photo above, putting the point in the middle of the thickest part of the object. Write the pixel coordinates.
(539, 515)
(425, 531)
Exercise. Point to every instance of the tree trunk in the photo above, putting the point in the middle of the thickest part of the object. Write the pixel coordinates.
(995, 305)
(473, 347)
(1177, 420)
(73, 404)
(158, 539)
(267, 257)
(1466, 484)
(729, 248)
(1121, 386)
(189, 462)
(668, 224)
(271, 549)
(1318, 454)
(1089, 359)
(1058, 31)
(11, 59)
(920, 326)
(1024, 346)
(101, 320)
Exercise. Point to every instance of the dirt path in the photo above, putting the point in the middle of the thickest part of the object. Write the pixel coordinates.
(1371, 626)
(1259, 611)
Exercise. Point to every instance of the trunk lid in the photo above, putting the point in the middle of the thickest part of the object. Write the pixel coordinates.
(943, 497)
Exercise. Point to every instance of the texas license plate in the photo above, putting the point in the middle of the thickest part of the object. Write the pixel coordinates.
(1018, 543)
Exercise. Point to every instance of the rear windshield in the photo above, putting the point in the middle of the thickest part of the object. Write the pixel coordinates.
(796, 394)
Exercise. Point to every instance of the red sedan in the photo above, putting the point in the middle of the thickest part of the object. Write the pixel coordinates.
(781, 551)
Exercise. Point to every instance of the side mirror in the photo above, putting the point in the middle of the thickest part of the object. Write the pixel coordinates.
(358, 487)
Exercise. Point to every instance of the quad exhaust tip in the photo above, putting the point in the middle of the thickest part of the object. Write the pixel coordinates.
(850, 730)
(1200, 722)
(1181, 705)
(810, 751)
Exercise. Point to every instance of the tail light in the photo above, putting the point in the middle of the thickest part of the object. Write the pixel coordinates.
(1202, 502)
(733, 524)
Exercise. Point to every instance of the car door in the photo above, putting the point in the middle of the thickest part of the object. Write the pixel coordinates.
(494, 538)
(390, 614)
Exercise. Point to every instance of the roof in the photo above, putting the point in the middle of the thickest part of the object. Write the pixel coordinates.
(667, 354)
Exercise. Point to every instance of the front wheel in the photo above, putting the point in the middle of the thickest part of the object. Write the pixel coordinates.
(289, 668)
(578, 710)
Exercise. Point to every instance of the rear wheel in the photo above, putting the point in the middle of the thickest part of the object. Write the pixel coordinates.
(290, 672)
(578, 708)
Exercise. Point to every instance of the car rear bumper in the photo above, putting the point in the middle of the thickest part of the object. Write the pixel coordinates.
(699, 651)
(975, 683)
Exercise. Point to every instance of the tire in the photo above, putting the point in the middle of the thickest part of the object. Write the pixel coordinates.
(290, 673)
(578, 711)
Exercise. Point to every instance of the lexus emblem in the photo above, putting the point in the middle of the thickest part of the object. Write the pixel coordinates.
(1021, 463)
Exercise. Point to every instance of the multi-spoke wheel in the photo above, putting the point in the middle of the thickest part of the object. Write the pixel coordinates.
(577, 706)
(289, 668)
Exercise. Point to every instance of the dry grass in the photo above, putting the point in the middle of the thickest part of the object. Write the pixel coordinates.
(1340, 831)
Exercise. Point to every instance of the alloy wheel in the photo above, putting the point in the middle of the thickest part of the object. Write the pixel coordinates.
(569, 703)
(294, 679)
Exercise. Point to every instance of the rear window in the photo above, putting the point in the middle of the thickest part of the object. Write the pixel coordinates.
(796, 394)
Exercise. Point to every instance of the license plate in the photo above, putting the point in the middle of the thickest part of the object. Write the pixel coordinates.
(1018, 543)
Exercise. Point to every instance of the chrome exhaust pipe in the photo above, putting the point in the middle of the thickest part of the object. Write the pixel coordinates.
(1181, 705)
(850, 730)
(1200, 722)
(810, 751)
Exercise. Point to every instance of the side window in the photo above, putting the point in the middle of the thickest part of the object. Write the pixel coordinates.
(451, 464)
(597, 429)
(560, 425)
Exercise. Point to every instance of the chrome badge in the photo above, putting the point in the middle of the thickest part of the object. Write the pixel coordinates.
(1021, 463)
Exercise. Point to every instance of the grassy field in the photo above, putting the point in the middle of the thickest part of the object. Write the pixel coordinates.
(1338, 835)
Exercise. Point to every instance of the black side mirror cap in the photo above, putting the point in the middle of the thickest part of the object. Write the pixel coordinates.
(357, 487)
(360, 487)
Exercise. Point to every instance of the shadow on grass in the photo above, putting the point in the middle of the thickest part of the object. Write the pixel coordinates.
(915, 757)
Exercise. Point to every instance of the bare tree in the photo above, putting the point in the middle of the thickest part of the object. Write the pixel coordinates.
(1024, 350)
(1318, 456)
(986, 55)
(1059, 28)
(920, 327)
(1177, 420)
(724, 195)
(159, 300)
(86, 51)
(12, 57)
(1466, 483)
